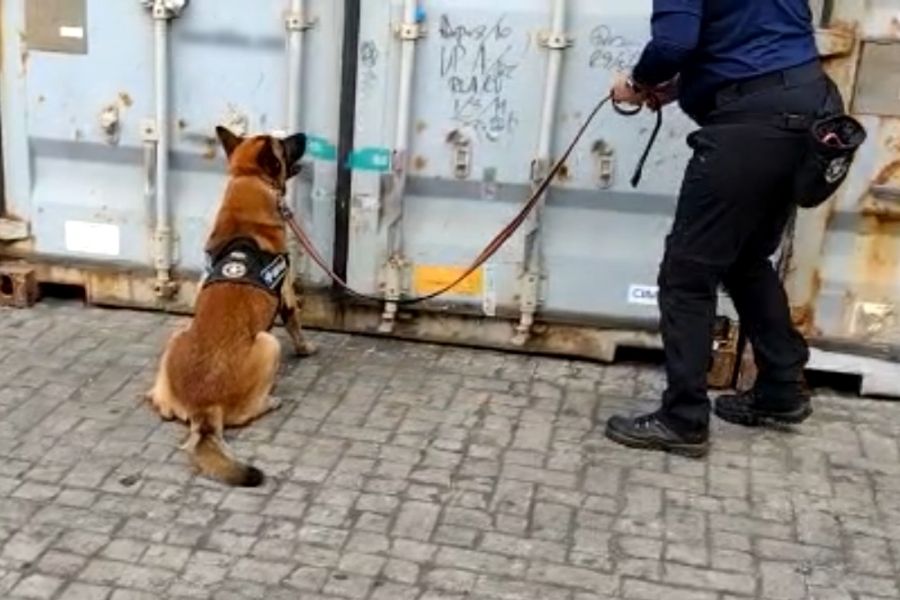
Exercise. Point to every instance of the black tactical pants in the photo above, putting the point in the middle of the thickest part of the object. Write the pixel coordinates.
(736, 198)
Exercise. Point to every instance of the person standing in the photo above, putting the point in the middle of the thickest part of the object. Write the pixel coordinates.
(748, 73)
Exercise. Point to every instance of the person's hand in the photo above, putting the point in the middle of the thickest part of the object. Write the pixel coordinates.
(623, 92)
(663, 94)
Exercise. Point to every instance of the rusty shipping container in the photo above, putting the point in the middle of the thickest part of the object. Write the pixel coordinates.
(430, 122)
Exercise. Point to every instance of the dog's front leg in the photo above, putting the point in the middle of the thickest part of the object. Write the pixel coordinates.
(290, 316)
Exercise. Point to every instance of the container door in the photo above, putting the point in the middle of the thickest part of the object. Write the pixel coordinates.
(79, 114)
(434, 183)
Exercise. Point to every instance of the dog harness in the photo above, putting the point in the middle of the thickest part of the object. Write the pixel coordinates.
(242, 261)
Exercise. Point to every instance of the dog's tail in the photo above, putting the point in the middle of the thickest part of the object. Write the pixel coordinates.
(210, 454)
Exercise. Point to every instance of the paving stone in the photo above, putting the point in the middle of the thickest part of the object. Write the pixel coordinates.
(406, 471)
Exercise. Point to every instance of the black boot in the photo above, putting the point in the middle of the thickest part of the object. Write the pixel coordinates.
(651, 432)
(754, 408)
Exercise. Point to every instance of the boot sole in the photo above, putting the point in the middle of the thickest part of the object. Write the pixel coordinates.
(698, 450)
(752, 418)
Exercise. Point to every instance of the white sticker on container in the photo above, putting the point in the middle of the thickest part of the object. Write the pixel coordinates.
(92, 238)
(75, 33)
(644, 295)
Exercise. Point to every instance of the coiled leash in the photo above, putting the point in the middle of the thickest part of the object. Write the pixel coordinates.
(501, 238)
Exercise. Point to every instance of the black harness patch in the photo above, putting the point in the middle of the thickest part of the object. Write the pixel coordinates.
(242, 261)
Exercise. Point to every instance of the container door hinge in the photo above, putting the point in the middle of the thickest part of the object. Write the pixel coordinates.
(555, 41)
(296, 21)
(604, 155)
(392, 288)
(411, 31)
(529, 292)
(462, 154)
(165, 9)
(166, 241)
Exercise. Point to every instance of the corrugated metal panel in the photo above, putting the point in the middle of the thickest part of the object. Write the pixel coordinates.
(79, 180)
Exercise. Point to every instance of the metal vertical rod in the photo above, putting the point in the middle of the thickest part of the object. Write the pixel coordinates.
(401, 153)
(551, 88)
(163, 212)
(407, 65)
(295, 26)
(295, 68)
(530, 286)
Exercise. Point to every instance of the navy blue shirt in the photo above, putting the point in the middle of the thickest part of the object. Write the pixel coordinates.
(711, 43)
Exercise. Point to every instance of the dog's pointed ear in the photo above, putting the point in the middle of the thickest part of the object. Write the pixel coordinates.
(229, 140)
(269, 161)
(294, 149)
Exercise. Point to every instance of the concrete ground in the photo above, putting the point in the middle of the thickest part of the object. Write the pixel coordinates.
(411, 472)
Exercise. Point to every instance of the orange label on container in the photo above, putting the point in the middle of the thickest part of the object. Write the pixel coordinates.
(428, 279)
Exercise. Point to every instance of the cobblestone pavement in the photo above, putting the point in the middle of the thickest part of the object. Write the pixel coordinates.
(413, 472)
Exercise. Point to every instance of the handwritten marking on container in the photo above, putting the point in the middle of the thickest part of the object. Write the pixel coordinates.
(478, 61)
(368, 58)
(612, 52)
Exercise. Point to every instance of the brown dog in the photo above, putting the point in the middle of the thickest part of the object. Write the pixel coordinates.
(219, 370)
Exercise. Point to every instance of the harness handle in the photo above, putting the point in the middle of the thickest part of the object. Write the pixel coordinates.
(656, 105)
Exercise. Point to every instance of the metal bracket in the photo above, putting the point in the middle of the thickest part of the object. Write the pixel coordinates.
(392, 279)
(555, 41)
(164, 10)
(528, 294)
(604, 154)
(462, 157)
(167, 238)
(538, 170)
(411, 31)
(298, 22)
(110, 123)
(149, 130)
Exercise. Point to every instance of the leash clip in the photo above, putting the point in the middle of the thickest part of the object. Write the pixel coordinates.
(284, 209)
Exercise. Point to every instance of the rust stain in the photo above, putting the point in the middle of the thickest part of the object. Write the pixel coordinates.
(563, 174)
(883, 212)
(126, 99)
(419, 163)
(879, 250)
(889, 173)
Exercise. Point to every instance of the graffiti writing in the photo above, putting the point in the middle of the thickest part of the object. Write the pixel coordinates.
(368, 58)
(612, 52)
(478, 61)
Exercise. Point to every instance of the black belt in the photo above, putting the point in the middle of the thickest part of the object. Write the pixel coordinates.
(787, 121)
(794, 76)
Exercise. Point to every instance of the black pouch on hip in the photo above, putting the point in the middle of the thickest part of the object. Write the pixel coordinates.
(833, 142)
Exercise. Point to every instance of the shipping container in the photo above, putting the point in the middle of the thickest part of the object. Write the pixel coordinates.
(431, 122)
